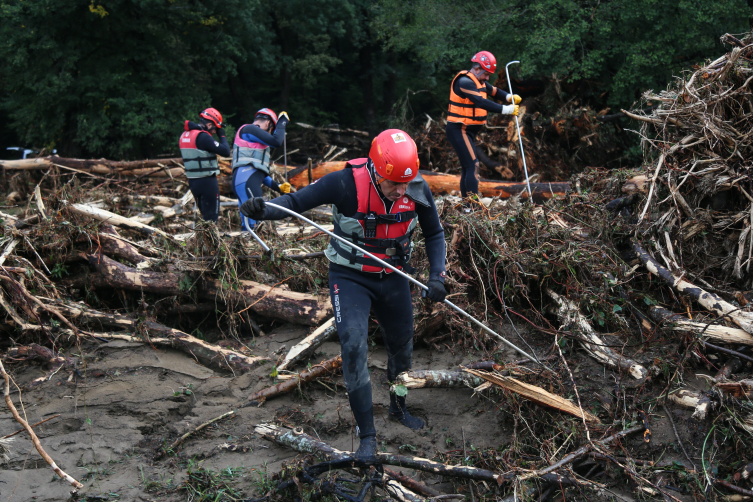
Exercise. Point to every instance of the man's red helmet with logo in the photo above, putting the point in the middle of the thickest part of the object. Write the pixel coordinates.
(212, 115)
(395, 156)
(487, 61)
(269, 113)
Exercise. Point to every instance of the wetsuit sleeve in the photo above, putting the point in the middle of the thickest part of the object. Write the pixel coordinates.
(433, 236)
(207, 143)
(268, 181)
(466, 88)
(273, 140)
(338, 188)
(496, 92)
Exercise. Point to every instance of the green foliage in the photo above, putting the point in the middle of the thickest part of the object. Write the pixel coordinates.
(623, 46)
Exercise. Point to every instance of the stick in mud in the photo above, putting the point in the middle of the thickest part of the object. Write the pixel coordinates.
(179, 441)
(307, 346)
(320, 369)
(34, 438)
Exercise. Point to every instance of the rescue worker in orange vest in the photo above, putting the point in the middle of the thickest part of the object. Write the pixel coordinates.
(377, 202)
(199, 151)
(469, 105)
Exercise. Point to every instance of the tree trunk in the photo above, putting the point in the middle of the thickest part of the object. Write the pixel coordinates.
(298, 308)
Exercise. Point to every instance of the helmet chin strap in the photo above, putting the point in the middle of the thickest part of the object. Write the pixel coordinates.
(376, 179)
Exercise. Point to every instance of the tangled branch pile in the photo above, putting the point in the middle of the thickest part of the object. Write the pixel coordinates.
(698, 211)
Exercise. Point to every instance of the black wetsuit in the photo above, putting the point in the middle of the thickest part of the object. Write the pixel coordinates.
(462, 137)
(355, 293)
(206, 191)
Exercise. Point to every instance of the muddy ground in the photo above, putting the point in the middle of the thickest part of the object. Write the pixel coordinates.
(134, 399)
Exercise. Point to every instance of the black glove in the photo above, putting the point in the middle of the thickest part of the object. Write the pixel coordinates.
(436, 291)
(253, 208)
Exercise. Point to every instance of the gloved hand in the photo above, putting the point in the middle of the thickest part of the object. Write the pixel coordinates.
(510, 110)
(436, 291)
(253, 208)
(511, 97)
(284, 114)
(285, 187)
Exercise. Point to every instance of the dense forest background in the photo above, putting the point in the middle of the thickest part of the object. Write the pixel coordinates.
(116, 78)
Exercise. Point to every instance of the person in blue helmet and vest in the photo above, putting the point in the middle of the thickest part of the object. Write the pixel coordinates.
(377, 203)
(199, 151)
(469, 106)
(251, 157)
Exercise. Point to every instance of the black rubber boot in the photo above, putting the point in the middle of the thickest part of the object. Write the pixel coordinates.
(399, 412)
(367, 449)
(367, 434)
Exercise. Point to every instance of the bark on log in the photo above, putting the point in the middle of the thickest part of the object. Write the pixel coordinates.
(307, 346)
(442, 184)
(710, 301)
(713, 331)
(208, 354)
(114, 245)
(422, 379)
(298, 308)
(569, 314)
(320, 369)
(692, 399)
(742, 389)
(535, 394)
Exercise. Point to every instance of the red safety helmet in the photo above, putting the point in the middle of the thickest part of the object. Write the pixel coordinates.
(269, 113)
(395, 156)
(487, 61)
(212, 115)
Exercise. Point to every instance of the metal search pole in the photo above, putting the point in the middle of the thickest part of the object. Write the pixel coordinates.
(256, 237)
(520, 138)
(414, 281)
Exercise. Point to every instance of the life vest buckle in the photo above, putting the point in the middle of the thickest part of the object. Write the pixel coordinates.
(390, 251)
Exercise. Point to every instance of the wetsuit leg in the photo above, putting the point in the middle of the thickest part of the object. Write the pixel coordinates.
(352, 294)
(206, 193)
(393, 309)
(245, 178)
(463, 142)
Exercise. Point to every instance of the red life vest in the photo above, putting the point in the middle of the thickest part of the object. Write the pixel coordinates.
(197, 163)
(391, 240)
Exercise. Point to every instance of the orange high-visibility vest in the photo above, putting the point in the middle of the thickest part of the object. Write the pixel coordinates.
(462, 109)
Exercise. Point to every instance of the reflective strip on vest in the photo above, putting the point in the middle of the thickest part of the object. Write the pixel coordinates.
(248, 153)
(463, 110)
(350, 226)
(197, 163)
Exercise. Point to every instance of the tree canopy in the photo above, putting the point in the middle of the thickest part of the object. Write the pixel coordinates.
(117, 78)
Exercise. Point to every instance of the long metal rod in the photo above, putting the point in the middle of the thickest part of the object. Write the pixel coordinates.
(414, 281)
(256, 237)
(520, 137)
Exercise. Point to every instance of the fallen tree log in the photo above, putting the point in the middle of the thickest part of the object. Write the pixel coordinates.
(709, 301)
(719, 332)
(443, 184)
(741, 389)
(535, 394)
(307, 346)
(291, 306)
(422, 379)
(115, 219)
(328, 366)
(299, 441)
(569, 315)
(208, 354)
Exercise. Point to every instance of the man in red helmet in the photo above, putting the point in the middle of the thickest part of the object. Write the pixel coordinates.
(199, 151)
(251, 157)
(376, 203)
(469, 106)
